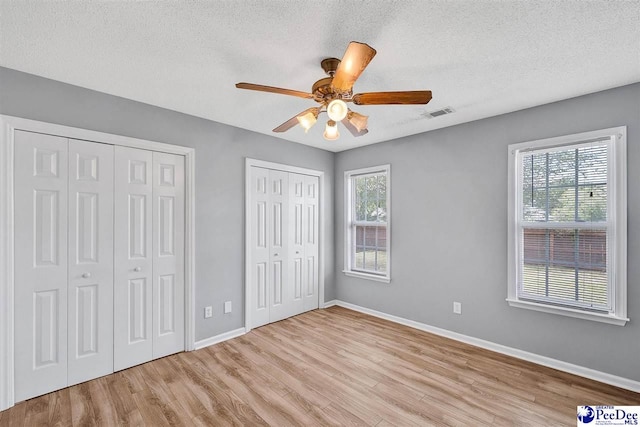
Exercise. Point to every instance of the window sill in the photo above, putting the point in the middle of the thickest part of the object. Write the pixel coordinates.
(564, 311)
(373, 277)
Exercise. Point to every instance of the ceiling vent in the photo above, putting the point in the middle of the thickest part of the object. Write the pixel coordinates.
(438, 113)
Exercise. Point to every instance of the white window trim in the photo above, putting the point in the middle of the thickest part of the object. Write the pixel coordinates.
(348, 207)
(618, 177)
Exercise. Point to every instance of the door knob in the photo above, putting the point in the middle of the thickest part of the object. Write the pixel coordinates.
(137, 269)
(297, 252)
(275, 254)
(86, 275)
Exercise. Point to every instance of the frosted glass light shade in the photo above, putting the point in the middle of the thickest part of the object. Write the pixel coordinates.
(358, 120)
(307, 121)
(331, 131)
(337, 110)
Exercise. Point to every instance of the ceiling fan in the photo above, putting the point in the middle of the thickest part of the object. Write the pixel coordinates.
(333, 92)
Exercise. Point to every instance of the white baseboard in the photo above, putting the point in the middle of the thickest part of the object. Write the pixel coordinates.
(582, 371)
(330, 303)
(219, 338)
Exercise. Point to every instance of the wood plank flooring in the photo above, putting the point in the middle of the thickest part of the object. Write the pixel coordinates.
(326, 367)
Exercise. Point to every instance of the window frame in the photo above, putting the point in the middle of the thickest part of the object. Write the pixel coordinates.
(616, 223)
(349, 223)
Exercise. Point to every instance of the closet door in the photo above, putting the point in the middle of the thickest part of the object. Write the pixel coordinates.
(297, 219)
(280, 295)
(133, 274)
(40, 264)
(90, 290)
(283, 217)
(259, 217)
(168, 254)
(311, 231)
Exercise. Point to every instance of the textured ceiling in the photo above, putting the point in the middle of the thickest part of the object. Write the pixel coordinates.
(482, 58)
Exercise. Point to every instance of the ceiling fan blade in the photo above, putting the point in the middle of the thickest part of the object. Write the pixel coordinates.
(294, 120)
(382, 98)
(355, 60)
(272, 89)
(351, 128)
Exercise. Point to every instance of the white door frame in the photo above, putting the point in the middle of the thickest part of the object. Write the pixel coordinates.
(8, 126)
(247, 229)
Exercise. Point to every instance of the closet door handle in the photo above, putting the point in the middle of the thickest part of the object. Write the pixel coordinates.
(275, 254)
(137, 269)
(297, 252)
(86, 275)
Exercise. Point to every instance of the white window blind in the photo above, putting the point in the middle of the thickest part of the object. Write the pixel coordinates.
(564, 228)
(569, 225)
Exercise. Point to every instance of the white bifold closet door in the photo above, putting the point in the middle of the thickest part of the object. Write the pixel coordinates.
(90, 287)
(149, 256)
(168, 254)
(284, 247)
(303, 229)
(63, 262)
(99, 260)
(310, 239)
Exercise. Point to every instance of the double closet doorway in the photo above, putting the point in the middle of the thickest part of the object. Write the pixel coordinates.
(98, 254)
(283, 231)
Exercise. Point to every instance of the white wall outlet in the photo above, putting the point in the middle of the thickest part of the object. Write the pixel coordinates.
(227, 307)
(208, 312)
(457, 307)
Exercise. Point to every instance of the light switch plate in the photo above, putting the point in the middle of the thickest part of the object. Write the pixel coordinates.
(227, 307)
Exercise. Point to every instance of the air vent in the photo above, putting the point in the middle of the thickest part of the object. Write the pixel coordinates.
(437, 113)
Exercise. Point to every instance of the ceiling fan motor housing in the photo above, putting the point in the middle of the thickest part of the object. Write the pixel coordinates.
(324, 93)
(322, 90)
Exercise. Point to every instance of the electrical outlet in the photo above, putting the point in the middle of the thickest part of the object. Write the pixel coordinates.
(208, 312)
(457, 307)
(227, 307)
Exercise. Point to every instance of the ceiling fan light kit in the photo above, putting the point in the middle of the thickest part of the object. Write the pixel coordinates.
(333, 93)
(331, 131)
(358, 120)
(307, 120)
(337, 110)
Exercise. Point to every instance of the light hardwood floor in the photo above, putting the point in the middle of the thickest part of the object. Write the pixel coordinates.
(326, 367)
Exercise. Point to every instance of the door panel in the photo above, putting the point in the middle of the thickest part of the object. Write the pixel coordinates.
(280, 295)
(87, 318)
(40, 264)
(167, 322)
(311, 226)
(259, 280)
(138, 319)
(168, 254)
(47, 328)
(296, 252)
(46, 227)
(90, 303)
(138, 224)
(133, 275)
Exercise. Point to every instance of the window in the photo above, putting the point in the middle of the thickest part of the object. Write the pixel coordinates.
(367, 234)
(567, 229)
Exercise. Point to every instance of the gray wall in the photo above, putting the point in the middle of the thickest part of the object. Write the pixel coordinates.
(449, 232)
(449, 204)
(220, 157)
